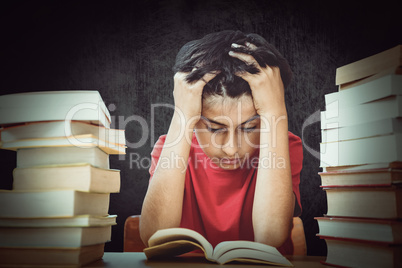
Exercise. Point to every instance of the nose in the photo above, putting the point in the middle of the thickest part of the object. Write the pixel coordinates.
(231, 146)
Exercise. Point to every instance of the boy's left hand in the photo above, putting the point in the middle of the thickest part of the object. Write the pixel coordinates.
(266, 86)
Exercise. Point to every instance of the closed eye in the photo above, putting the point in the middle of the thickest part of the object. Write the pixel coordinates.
(215, 130)
(249, 129)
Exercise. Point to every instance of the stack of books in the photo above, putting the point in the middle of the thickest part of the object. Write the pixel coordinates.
(361, 157)
(57, 212)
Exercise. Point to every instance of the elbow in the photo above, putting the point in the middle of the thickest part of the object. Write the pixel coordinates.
(274, 240)
(147, 227)
(275, 237)
(149, 224)
(144, 233)
(144, 239)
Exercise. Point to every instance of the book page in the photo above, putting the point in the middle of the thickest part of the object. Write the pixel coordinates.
(170, 249)
(174, 234)
(254, 256)
(226, 246)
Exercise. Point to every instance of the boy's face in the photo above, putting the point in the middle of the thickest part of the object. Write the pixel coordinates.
(228, 130)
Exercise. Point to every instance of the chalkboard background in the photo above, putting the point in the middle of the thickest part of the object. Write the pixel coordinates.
(126, 51)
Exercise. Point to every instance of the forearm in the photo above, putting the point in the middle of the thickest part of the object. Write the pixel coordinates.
(274, 200)
(162, 207)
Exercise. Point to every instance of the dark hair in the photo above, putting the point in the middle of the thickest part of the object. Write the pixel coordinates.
(210, 53)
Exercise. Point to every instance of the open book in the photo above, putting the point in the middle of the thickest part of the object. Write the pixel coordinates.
(177, 241)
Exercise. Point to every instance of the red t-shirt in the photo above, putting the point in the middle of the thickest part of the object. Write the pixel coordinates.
(218, 203)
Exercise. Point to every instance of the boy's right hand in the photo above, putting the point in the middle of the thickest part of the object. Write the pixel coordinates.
(188, 97)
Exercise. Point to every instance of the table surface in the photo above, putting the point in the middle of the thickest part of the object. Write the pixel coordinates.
(138, 260)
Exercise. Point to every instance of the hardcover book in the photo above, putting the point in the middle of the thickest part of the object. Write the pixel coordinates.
(389, 231)
(365, 202)
(358, 253)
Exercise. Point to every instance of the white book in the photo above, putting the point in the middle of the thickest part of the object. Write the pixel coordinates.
(390, 107)
(374, 90)
(46, 156)
(82, 177)
(80, 141)
(53, 129)
(376, 128)
(387, 148)
(82, 105)
(56, 203)
(76, 221)
(54, 236)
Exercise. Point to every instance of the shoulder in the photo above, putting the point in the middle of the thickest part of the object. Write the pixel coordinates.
(295, 143)
(295, 152)
(294, 139)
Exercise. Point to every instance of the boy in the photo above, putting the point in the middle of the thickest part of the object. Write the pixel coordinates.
(228, 168)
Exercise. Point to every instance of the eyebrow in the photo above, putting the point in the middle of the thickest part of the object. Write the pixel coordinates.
(221, 124)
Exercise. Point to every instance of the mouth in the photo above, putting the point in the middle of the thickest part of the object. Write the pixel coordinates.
(233, 161)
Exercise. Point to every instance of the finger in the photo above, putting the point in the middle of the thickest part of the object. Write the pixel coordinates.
(180, 75)
(246, 58)
(245, 75)
(207, 77)
(251, 46)
(234, 45)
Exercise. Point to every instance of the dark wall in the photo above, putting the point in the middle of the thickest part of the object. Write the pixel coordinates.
(126, 51)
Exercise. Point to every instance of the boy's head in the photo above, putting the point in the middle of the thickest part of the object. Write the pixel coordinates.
(211, 53)
(228, 131)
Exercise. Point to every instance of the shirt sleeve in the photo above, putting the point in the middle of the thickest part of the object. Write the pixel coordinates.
(296, 164)
(155, 154)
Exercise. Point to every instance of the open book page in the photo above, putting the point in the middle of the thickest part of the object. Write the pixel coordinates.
(253, 256)
(172, 248)
(248, 251)
(177, 241)
(180, 239)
